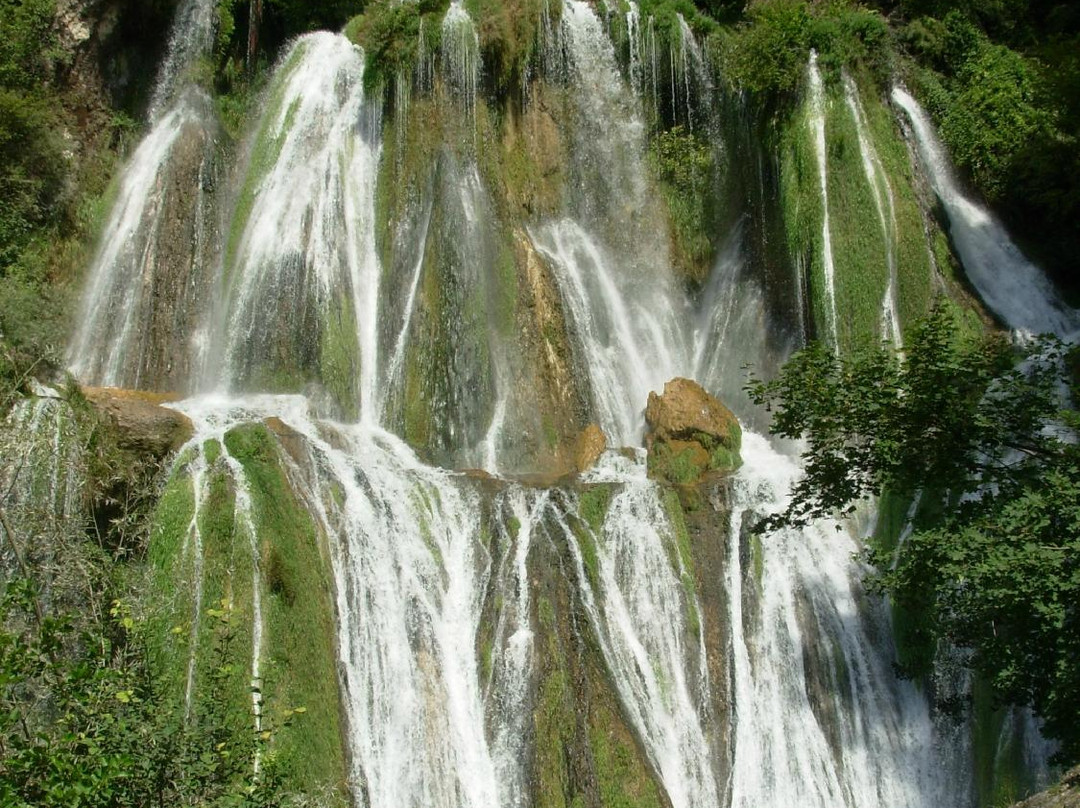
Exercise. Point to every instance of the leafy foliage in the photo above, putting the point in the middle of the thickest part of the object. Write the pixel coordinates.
(83, 723)
(768, 51)
(684, 163)
(976, 424)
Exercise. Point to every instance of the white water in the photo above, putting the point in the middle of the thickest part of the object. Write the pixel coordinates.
(413, 564)
(461, 54)
(817, 129)
(641, 618)
(884, 203)
(634, 36)
(1014, 288)
(628, 343)
(878, 747)
(306, 257)
(411, 569)
(191, 38)
(117, 303)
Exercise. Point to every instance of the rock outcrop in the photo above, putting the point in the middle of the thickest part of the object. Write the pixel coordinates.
(690, 433)
(590, 444)
(142, 424)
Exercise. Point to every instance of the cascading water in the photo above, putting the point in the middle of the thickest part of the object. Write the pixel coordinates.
(1014, 288)
(644, 615)
(461, 54)
(148, 281)
(439, 702)
(844, 731)
(885, 205)
(303, 276)
(817, 129)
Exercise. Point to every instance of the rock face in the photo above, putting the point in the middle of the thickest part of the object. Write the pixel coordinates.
(142, 424)
(690, 433)
(591, 443)
(1065, 794)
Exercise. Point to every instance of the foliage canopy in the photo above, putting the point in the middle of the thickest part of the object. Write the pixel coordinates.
(976, 427)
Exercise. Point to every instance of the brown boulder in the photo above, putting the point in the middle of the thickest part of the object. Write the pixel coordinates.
(590, 444)
(142, 424)
(690, 433)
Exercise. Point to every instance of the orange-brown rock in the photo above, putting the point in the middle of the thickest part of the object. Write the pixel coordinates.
(590, 444)
(142, 424)
(690, 433)
(685, 410)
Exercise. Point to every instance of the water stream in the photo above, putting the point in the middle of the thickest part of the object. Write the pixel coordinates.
(421, 557)
(1013, 287)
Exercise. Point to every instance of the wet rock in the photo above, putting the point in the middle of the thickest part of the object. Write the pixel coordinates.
(690, 433)
(1065, 794)
(142, 424)
(590, 444)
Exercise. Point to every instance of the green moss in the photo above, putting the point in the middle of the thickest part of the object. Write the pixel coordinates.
(914, 268)
(339, 360)
(299, 658)
(211, 451)
(684, 164)
(859, 247)
(681, 536)
(1001, 777)
(681, 468)
(593, 505)
(622, 779)
(172, 602)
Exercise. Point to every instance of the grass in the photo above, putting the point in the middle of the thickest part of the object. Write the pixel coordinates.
(299, 651)
(859, 248)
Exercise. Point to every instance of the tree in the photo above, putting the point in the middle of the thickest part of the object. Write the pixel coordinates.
(985, 432)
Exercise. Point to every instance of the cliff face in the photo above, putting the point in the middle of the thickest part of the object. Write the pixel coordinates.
(451, 251)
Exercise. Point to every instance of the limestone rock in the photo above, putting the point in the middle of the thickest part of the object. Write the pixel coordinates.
(143, 425)
(1065, 794)
(590, 444)
(690, 433)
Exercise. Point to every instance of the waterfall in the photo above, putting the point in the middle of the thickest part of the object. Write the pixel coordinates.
(634, 37)
(1010, 285)
(435, 575)
(817, 129)
(147, 281)
(845, 732)
(643, 616)
(633, 341)
(885, 205)
(303, 275)
(461, 55)
(191, 38)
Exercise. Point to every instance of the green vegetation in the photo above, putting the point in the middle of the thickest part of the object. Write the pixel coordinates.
(991, 564)
(1002, 81)
(101, 733)
(389, 33)
(684, 164)
(768, 51)
(300, 665)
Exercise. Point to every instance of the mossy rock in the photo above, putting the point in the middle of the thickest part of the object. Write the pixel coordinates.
(690, 434)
